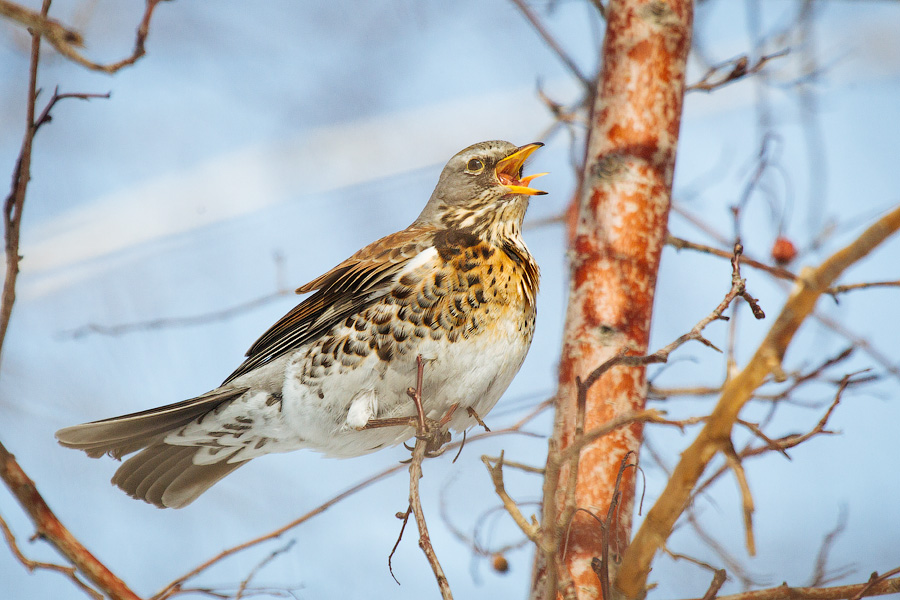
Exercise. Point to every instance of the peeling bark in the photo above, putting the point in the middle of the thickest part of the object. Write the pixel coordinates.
(616, 237)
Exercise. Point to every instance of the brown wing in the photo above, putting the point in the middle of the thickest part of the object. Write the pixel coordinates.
(344, 290)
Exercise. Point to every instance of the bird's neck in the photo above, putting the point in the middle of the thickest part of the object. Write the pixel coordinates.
(496, 224)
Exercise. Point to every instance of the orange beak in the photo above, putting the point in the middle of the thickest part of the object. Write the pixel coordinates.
(509, 171)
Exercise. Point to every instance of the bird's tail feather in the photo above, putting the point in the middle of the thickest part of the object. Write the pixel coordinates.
(161, 474)
(167, 477)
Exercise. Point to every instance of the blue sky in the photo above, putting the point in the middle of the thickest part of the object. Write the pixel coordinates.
(306, 130)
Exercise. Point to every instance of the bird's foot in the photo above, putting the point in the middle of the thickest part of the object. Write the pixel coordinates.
(435, 436)
(436, 433)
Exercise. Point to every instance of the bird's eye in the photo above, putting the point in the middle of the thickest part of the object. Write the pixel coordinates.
(475, 165)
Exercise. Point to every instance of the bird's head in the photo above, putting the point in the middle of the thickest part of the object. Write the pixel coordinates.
(482, 187)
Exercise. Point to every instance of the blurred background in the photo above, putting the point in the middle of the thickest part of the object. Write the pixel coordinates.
(258, 144)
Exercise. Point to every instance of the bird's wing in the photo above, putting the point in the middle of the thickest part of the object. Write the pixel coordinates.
(344, 290)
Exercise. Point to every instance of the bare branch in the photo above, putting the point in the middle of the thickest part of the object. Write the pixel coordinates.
(733, 70)
(690, 559)
(811, 284)
(51, 529)
(717, 582)
(734, 462)
(424, 442)
(176, 585)
(874, 580)
(495, 469)
(820, 572)
(33, 565)
(551, 41)
(48, 525)
(785, 592)
(243, 587)
(67, 41)
(842, 289)
(790, 441)
(49, 29)
(404, 516)
(682, 244)
(172, 322)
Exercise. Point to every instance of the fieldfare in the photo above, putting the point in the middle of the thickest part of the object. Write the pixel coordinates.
(457, 287)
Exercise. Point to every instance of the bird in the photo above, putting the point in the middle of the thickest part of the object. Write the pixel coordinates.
(454, 291)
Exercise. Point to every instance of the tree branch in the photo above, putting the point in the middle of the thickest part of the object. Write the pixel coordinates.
(67, 41)
(33, 565)
(50, 529)
(177, 585)
(48, 525)
(811, 284)
(840, 592)
(738, 68)
(423, 444)
(551, 41)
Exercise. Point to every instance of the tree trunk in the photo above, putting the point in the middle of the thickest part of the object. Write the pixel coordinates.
(616, 235)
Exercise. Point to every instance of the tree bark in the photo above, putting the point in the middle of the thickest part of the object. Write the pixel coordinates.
(616, 236)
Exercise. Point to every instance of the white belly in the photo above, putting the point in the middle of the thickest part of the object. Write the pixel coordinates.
(468, 373)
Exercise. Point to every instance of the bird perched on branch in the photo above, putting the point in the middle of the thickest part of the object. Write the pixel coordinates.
(457, 287)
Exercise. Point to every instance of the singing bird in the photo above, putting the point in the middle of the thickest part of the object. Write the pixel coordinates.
(457, 287)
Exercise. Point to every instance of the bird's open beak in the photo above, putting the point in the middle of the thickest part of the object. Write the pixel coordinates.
(509, 171)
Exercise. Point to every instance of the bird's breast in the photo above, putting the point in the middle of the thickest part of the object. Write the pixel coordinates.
(468, 291)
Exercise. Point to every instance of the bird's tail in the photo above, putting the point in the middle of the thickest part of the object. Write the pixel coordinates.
(161, 474)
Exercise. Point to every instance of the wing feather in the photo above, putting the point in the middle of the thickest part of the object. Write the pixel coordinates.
(345, 290)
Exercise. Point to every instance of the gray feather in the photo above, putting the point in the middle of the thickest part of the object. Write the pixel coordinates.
(123, 435)
(161, 474)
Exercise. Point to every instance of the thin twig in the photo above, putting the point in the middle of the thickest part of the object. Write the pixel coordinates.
(841, 592)
(33, 565)
(820, 574)
(495, 469)
(682, 244)
(811, 284)
(67, 41)
(606, 524)
(860, 342)
(404, 516)
(734, 462)
(472, 542)
(52, 530)
(551, 41)
(733, 565)
(691, 559)
(781, 444)
(177, 584)
(716, 584)
(517, 465)
(173, 322)
(737, 69)
(243, 587)
(841, 289)
(423, 441)
(48, 525)
(874, 580)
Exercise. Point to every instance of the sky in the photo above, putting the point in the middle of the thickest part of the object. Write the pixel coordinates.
(257, 145)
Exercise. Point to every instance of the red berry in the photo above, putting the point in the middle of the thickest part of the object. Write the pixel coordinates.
(783, 250)
(499, 563)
